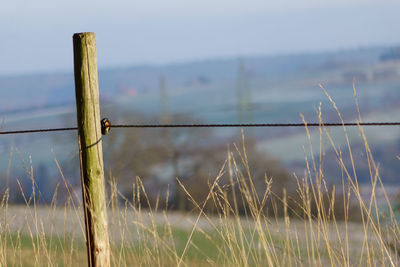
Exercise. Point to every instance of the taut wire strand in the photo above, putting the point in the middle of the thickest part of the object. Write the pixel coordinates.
(233, 125)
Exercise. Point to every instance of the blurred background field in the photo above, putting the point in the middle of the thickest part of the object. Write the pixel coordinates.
(216, 196)
(252, 90)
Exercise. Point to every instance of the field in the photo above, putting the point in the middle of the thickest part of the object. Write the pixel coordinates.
(281, 88)
(319, 217)
(323, 226)
(54, 236)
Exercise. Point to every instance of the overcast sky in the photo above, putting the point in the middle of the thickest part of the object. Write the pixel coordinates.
(36, 36)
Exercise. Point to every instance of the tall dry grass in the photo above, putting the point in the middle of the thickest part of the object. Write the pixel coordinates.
(308, 234)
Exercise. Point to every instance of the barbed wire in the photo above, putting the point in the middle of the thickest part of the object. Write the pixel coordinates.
(228, 125)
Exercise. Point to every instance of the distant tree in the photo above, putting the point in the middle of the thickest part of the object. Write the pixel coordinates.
(250, 171)
(191, 155)
(151, 154)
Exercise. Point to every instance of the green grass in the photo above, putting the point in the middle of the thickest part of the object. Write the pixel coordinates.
(312, 229)
(205, 247)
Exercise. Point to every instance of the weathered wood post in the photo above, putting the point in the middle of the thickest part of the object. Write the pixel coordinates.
(90, 148)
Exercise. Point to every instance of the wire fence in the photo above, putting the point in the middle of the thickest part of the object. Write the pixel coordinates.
(229, 125)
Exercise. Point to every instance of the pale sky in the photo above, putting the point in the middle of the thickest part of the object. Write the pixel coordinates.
(36, 36)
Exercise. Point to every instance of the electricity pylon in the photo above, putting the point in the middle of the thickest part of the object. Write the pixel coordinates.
(173, 152)
(244, 106)
(165, 116)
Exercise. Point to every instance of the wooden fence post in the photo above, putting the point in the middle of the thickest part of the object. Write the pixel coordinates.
(90, 148)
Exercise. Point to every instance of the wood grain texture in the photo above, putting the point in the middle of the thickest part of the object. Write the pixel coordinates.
(90, 147)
